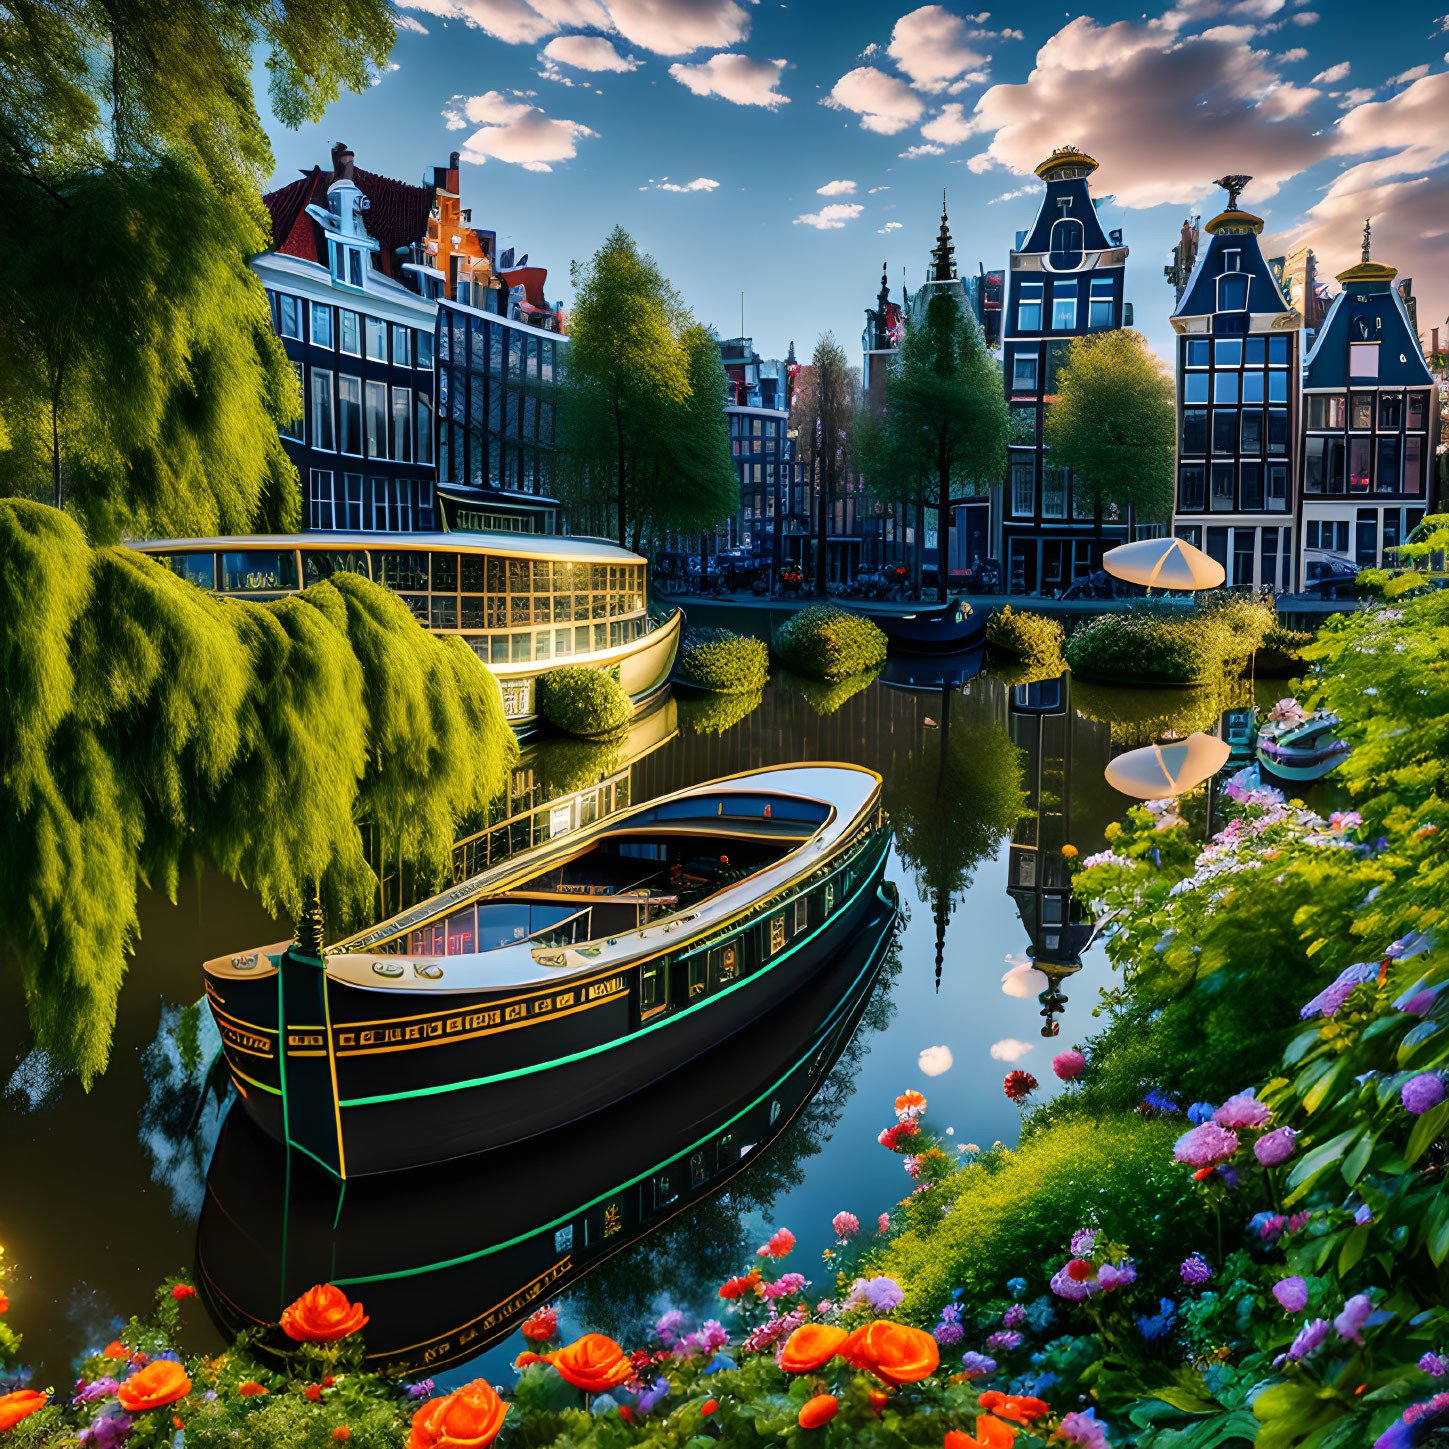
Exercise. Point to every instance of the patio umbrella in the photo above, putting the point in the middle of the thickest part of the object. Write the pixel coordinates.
(1157, 771)
(1164, 563)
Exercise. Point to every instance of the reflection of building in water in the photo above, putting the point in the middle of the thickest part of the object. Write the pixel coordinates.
(1045, 728)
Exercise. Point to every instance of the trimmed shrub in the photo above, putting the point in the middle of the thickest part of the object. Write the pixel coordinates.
(580, 701)
(1026, 638)
(1150, 646)
(714, 714)
(829, 644)
(1281, 653)
(724, 662)
(825, 698)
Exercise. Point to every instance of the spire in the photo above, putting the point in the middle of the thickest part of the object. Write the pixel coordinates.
(1367, 221)
(1368, 276)
(943, 256)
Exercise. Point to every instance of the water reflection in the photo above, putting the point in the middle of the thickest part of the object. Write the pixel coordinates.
(449, 1258)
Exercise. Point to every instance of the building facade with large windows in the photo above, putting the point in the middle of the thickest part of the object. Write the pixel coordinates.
(357, 323)
(1238, 361)
(1065, 279)
(1370, 422)
(757, 412)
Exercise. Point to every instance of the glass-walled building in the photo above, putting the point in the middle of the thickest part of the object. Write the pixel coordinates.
(496, 419)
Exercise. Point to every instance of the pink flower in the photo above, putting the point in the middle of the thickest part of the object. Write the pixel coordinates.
(1069, 1065)
(784, 1286)
(1355, 1314)
(883, 1222)
(1116, 1275)
(1244, 1110)
(846, 1225)
(779, 1245)
(1274, 1147)
(1206, 1144)
(913, 1166)
(1014, 1316)
(1292, 1294)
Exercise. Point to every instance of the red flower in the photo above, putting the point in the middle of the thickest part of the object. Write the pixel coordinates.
(115, 1349)
(892, 1135)
(4, 1304)
(342, 1433)
(314, 1392)
(1079, 1270)
(779, 1246)
(252, 1389)
(738, 1287)
(542, 1325)
(176, 1422)
(322, 1315)
(182, 1290)
(1019, 1084)
(709, 1406)
(817, 1411)
(1019, 1407)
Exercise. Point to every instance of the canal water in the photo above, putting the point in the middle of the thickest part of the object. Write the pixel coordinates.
(985, 783)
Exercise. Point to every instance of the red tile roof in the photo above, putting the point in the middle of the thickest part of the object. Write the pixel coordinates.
(397, 216)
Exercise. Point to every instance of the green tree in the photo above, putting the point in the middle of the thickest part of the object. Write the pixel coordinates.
(821, 413)
(138, 372)
(943, 436)
(1114, 424)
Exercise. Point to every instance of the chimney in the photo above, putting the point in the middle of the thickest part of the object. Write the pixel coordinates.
(341, 162)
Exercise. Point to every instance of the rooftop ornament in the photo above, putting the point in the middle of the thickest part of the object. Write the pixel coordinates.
(1066, 163)
(1234, 219)
(1370, 276)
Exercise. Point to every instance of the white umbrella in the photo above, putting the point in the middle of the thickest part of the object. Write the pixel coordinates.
(1164, 563)
(1161, 770)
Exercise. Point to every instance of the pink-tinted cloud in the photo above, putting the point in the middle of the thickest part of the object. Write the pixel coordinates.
(934, 48)
(884, 103)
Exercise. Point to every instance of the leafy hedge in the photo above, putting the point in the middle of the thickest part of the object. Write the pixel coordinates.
(827, 643)
(724, 662)
(1280, 655)
(581, 701)
(1148, 645)
(1025, 638)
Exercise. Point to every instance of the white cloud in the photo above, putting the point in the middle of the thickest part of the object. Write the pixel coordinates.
(514, 131)
(929, 45)
(889, 227)
(884, 103)
(1291, 57)
(391, 66)
(511, 21)
(406, 22)
(700, 183)
(1332, 75)
(1405, 77)
(1356, 97)
(677, 27)
(587, 52)
(1023, 981)
(934, 1060)
(1306, 17)
(735, 78)
(950, 127)
(832, 217)
(1015, 193)
(1008, 1049)
(914, 152)
(836, 188)
(874, 189)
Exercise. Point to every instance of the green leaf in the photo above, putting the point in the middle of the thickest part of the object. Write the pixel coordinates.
(1427, 1129)
(1438, 1230)
(1352, 1249)
(1315, 1097)
(1357, 1158)
(1300, 1046)
(1320, 1158)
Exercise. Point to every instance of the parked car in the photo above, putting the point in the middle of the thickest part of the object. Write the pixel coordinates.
(1329, 575)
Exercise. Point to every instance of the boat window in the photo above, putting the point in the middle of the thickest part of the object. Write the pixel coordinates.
(322, 563)
(404, 570)
(802, 914)
(259, 570)
(698, 980)
(777, 934)
(195, 568)
(651, 985)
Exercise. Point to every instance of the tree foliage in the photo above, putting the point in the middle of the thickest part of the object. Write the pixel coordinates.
(141, 381)
(1114, 424)
(148, 724)
(822, 412)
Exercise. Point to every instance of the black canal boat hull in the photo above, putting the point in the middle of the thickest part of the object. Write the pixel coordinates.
(950, 630)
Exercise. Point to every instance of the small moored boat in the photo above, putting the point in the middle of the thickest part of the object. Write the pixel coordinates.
(1297, 747)
(949, 630)
(558, 981)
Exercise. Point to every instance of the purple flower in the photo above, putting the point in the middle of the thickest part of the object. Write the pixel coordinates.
(1244, 1110)
(1158, 1101)
(1082, 1428)
(1065, 1286)
(1432, 1364)
(1205, 1145)
(1014, 1316)
(1292, 1294)
(1004, 1339)
(1268, 1226)
(883, 1294)
(421, 1390)
(1309, 1337)
(1116, 1275)
(1083, 1241)
(976, 1365)
(1419, 1003)
(1350, 1322)
(1275, 1146)
(668, 1327)
(1195, 1270)
(1159, 1323)
(1200, 1112)
(1363, 1215)
(1328, 1001)
(96, 1389)
(1421, 1093)
(948, 1333)
(649, 1399)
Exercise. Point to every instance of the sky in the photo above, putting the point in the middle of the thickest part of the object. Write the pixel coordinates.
(772, 156)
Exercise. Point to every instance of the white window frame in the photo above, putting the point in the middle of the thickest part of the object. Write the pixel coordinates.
(282, 299)
(322, 309)
(321, 493)
(402, 432)
(374, 408)
(322, 376)
(371, 328)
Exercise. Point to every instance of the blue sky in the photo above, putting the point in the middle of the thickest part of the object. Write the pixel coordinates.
(786, 150)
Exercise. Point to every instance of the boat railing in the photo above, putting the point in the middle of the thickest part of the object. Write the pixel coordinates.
(556, 935)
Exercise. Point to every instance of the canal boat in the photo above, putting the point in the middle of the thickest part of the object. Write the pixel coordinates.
(558, 981)
(508, 1231)
(525, 603)
(1298, 748)
(949, 630)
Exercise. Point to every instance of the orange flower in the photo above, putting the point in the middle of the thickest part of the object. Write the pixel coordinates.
(159, 1383)
(819, 1410)
(990, 1434)
(1020, 1408)
(709, 1406)
(314, 1392)
(4, 1304)
(811, 1346)
(252, 1389)
(527, 1357)
(593, 1363)
(893, 1352)
(878, 1400)
(468, 1418)
(910, 1101)
(115, 1349)
(542, 1325)
(342, 1433)
(322, 1315)
(738, 1287)
(19, 1405)
(176, 1422)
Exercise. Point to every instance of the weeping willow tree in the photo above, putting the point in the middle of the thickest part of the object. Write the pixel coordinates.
(147, 726)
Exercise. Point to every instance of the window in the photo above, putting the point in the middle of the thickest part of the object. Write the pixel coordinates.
(1054, 493)
(1023, 371)
(1228, 352)
(1066, 244)
(1278, 487)
(1194, 432)
(322, 410)
(1361, 411)
(1232, 261)
(1278, 351)
(424, 350)
(377, 420)
(1358, 465)
(402, 346)
(1222, 496)
(1225, 430)
(1100, 314)
(402, 425)
(349, 333)
(1190, 486)
(1250, 486)
(349, 413)
(1413, 464)
(380, 523)
(1255, 352)
(1326, 410)
(353, 482)
(1023, 490)
(1028, 307)
(1232, 292)
(1243, 550)
(1418, 409)
(321, 498)
(376, 331)
(1253, 385)
(1363, 359)
(1277, 430)
(289, 316)
(1252, 444)
(1278, 387)
(1195, 387)
(1386, 471)
(1391, 411)
(1021, 426)
(1064, 307)
(295, 429)
(1199, 351)
(321, 325)
(1225, 387)
(424, 435)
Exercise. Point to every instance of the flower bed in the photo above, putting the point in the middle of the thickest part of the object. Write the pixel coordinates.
(727, 663)
(828, 644)
(1025, 638)
(580, 701)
